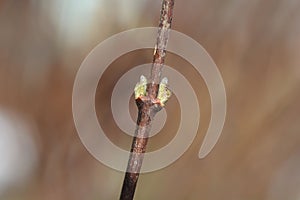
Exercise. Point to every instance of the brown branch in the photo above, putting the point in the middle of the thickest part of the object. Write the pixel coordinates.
(148, 105)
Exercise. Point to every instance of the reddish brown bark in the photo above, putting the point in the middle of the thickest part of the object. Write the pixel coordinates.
(147, 106)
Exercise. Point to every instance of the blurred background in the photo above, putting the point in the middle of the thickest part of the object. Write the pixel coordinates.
(256, 46)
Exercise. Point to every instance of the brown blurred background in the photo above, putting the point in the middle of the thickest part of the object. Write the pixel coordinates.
(256, 46)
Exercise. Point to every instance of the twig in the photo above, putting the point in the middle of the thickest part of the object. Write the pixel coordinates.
(149, 104)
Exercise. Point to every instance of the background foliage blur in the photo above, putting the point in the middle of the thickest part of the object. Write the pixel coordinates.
(256, 46)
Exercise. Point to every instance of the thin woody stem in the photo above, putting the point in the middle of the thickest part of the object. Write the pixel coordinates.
(146, 106)
(161, 46)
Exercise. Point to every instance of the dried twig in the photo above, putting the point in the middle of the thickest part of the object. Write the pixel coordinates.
(148, 104)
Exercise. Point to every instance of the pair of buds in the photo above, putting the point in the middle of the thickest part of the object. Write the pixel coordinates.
(163, 95)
